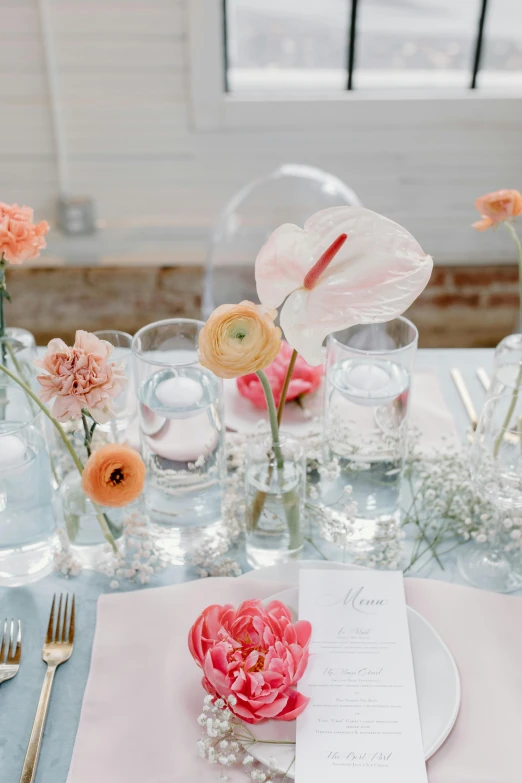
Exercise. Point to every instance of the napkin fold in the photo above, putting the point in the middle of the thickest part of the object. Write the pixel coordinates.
(143, 695)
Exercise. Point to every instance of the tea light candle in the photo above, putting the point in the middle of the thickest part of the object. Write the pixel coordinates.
(12, 452)
(179, 392)
(184, 440)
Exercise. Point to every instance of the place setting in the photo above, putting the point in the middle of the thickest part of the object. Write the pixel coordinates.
(295, 454)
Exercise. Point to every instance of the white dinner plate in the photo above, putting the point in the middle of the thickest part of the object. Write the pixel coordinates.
(436, 675)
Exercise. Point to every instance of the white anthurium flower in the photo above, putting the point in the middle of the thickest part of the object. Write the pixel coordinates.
(347, 266)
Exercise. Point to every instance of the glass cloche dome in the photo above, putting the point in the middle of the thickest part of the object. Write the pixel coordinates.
(290, 194)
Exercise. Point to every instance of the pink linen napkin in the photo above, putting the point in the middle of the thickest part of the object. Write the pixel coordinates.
(138, 720)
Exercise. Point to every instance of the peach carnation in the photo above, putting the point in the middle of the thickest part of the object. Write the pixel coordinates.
(20, 238)
(80, 378)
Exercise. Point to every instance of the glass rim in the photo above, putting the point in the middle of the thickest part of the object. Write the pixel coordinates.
(140, 355)
(369, 352)
(489, 405)
(34, 414)
(113, 331)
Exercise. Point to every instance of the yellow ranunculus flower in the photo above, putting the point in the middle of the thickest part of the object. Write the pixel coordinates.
(239, 339)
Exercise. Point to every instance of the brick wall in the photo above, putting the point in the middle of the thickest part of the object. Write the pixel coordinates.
(472, 307)
(461, 307)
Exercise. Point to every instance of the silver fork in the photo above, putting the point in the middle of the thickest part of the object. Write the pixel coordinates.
(57, 649)
(10, 651)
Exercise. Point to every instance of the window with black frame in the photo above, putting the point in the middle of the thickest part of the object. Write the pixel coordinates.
(337, 45)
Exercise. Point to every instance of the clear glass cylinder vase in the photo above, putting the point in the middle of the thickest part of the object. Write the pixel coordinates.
(27, 519)
(507, 365)
(180, 405)
(88, 544)
(18, 353)
(368, 380)
(275, 478)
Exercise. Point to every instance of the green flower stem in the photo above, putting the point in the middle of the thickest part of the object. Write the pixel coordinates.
(68, 445)
(510, 227)
(286, 384)
(87, 435)
(518, 380)
(272, 415)
(3, 292)
(290, 500)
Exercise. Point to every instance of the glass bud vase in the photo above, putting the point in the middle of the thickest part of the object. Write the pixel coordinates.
(17, 353)
(507, 365)
(88, 544)
(275, 491)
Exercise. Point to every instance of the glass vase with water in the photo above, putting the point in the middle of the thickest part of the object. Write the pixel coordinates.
(368, 382)
(275, 478)
(27, 519)
(182, 436)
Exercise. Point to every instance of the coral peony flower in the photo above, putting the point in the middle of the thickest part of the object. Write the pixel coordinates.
(305, 379)
(238, 339)
(20, 238)
(81, 377)
(255, 654)
(347, 266)
(113, 475)
(497, 207)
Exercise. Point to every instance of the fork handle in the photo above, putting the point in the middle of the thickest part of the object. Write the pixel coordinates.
(35, 741)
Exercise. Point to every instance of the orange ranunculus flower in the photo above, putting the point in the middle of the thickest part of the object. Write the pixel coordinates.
(113, 475)
(239, 339)
(20, 238)
(497, 207)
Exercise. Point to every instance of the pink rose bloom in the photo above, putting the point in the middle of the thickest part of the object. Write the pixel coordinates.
(255, 654)
(20, 238)
(305, 379)
(80, 377)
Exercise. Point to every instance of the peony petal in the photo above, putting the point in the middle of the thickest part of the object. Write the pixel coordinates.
(303, 631)
(295, 705)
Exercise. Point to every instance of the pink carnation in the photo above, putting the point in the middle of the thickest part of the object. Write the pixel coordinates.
(255, 654)
(80, 377)
(20, 238)
(305, 379)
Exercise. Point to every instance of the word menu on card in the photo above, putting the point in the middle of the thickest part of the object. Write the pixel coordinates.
(362, 723)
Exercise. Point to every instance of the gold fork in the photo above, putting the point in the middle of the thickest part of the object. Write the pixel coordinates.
(57, 649)
(10, 651)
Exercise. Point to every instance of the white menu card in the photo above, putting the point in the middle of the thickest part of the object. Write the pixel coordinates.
(362, 722)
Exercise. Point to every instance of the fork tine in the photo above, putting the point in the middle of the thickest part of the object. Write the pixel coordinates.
(2, 648)
(18, 650)
(50, 627)
(10, 640)
(58, 617)
(71, 624)
(64, 624)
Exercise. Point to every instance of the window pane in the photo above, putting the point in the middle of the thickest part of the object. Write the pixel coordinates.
(415, 43)
(287, 44)
(502, 53)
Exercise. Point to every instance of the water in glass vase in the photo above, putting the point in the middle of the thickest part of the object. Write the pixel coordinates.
(182, 445)
(365, 416)
(274, 506)
(27, 522)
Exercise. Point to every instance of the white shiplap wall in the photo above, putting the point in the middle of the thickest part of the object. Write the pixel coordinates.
(129, 142)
